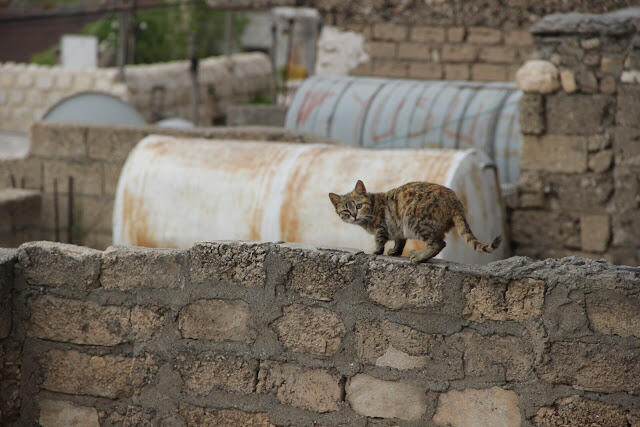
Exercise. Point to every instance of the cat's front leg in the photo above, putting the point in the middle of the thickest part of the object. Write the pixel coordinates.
(381, 238)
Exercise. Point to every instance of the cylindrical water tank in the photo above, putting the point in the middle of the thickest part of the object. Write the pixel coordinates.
(384, 113)
(173, 192)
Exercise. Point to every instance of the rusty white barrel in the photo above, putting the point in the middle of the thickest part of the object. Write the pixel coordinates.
(173, 192)
(385, 113)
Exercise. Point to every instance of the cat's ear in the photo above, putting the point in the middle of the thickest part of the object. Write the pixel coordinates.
(360, 188)
(334, 199)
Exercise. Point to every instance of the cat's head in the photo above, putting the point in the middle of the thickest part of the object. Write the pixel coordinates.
(354, 207)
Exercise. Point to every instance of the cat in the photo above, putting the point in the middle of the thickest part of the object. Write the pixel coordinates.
(417, 210)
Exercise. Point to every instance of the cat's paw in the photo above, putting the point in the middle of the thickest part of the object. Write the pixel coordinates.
(394, 253)
(378, 252)
(414, 256)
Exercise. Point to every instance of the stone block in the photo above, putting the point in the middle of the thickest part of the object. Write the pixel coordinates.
(318, 274)
(626, 145)
(608, 85)
(587, 81)
(536, 228)
(498, 54)
(388, 31)
(87, 177)
(459, 53)
(538, 76)
(588, 44)
(401, 347)
(85, 322)
(628, 107)
(381, 49)
(578, 411)
(371, 397)
(54, 141)
(398, 286)
(456, 34)
(577, 114)
(388, 68)
(411, 50)
(20, 209)
(568, 81)
(217, 320)
(196, 416)
(113, 377)
(531, 108)
(428, 34)
(627, 184)
(489, 72)
(601, 161)
(205, 373)
(312, 330)
(127, 268)
(554, 153)
(614, 313)
(59, 264)
(110, 178)
(26, 173)
(595, 232)
(457, 72)
(580, 191)
(598, 367)
(60, 413)
(483, 35)
(518, 38)
(598, 142)
(519, 300)
(238, 262)
(426, 71)
(470, 407)
(311, 389)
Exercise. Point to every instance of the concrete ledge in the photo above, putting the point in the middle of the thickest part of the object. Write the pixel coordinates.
(624, 21)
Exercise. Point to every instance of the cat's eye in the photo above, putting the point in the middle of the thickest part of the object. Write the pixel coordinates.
(359, 205)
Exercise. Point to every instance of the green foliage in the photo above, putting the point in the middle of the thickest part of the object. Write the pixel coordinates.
(46, 57)
(162, 34)
(261, 98)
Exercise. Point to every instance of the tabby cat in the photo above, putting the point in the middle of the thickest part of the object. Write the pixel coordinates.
(417, 210)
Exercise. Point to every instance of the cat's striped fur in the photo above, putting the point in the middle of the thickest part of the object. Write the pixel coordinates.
(417, 210)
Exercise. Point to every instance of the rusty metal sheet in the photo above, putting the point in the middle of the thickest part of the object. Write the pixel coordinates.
(173, 192)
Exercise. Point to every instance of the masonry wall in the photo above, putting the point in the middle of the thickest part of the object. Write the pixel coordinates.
(580, 162)
(28, 91)
(447, 39)
(92, 156)
(266, 334)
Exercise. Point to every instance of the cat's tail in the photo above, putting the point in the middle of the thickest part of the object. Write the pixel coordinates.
(465, 231)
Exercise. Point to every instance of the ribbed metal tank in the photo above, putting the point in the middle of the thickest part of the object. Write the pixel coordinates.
(173, 192)
(384, 113)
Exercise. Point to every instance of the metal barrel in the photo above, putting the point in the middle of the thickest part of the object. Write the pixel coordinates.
(385, 113)
(173, 192)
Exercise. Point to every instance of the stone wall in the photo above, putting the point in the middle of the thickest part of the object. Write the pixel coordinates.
(580, 182)
(19, 216)
(28, 91)
(230, 333)
(93, 157)
(446, 39)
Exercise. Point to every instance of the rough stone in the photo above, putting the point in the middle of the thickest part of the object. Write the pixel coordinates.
(538, 76)
(598, 142)
(578, 411)
(85, 322)
(107, 376)
(580, 191)
(589, 44)
(595, 231)
(608, 85)
(630, 77)
(428, 34)
(628, 111)
(105, 144)
(489, 72)
(409, 286)
(205, 417)
(627, 145)
(128, 268)
(612, 312)
(58, 142)
(401, 347)
(456, 34)
(615, 23)
(388, 31)
(531, 114)
(217, 320)
(371, 397)
(588, 82)
(310, 330)
(59, 264)
(208, 372)
(523, 299)
(59, 413)
(554, 153)
(606, 368)
(482, 35)
(576, 114)
(457, 72)
(601, 162)
(312, 389)
(228, 261)
(459, 53)
(470, 407)
(568, 80)
(87, 177)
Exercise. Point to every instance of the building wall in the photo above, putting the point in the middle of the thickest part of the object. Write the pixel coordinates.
(446, 39)
(578, 192)
(28, 91)
(230, 333)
